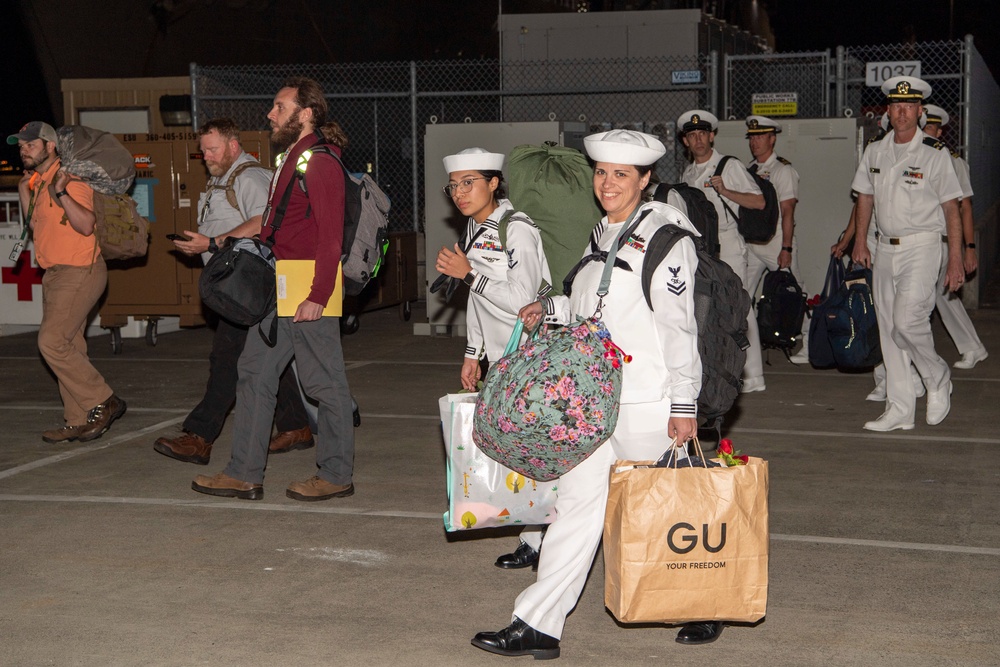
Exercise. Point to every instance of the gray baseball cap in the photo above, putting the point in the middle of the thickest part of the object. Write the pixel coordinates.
(36, 129)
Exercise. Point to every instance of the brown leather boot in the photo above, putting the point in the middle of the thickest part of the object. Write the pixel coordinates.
(65, 434)
(286, 441)
(188, 447)
(101, 417)
(317, 488)
(221, 484)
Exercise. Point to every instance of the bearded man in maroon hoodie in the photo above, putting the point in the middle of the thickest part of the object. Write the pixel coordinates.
(308, 189)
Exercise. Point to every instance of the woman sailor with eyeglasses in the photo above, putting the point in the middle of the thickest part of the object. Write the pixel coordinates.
(503, 274)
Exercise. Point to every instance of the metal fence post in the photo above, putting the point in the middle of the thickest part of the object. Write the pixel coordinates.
(839, 82)
(713, 82)
(193, 73)
(966, 94)
(414, 147)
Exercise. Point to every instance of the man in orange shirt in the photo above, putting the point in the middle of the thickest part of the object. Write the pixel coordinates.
(60, 213)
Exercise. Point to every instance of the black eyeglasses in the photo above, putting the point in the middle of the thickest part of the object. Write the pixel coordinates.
(462, 186)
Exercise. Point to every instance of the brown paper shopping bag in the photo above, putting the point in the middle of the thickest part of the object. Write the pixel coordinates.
(686, 544)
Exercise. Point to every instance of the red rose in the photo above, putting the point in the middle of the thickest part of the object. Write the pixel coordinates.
(743, 458)
(725, 446)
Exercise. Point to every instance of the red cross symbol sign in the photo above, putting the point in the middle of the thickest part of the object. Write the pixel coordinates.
(23, 275)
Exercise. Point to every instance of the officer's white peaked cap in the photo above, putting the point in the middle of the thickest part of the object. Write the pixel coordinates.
(478, 159)
(697, 119)
(624, 147)
(936, 114)
(761, 125)
(906, 89)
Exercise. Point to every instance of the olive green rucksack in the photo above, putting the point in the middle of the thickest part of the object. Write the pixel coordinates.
(554, 185)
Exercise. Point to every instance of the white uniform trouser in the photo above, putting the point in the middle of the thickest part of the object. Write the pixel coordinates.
(952, 312)
(904, 298)
(572, 539)
(762, 256)
(733, 251)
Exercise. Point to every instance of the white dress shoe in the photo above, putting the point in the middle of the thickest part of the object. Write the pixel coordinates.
(801, 357)
(753, 384)
(970, 359)
(889, 421)
(938, 405)
(878, 393)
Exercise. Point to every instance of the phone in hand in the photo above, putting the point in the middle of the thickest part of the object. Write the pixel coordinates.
(178, 237)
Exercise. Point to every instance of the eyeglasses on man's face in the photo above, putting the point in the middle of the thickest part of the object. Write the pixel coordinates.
(463, 186)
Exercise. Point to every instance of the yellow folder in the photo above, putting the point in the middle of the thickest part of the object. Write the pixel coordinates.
(294, 279)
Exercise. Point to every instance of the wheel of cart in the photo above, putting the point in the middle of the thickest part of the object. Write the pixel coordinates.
(116, 340)
(349, 324)
(405, 311)
(151, 331)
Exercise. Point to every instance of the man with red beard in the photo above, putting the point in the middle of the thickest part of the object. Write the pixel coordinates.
(231, 206)
(304, 221)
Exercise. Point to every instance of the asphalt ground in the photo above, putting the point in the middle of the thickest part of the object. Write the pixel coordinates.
(885, 548)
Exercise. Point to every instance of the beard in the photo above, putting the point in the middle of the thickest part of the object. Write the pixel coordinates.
(284, 136)
(219, 168)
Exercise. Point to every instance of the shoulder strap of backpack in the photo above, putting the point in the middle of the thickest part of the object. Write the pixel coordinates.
(718, 172)
(659, 246)
(502, 227)
(231, 182)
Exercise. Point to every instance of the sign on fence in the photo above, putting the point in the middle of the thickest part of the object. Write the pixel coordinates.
(877, 73)
(774, 104)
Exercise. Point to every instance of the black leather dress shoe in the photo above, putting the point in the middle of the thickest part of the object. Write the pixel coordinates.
(700, 633)
(518, 638)
(523, 556)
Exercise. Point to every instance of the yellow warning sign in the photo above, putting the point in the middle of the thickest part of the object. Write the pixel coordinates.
(771, 109)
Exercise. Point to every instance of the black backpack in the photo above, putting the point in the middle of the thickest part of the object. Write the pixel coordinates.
(721, 306)
(700, 212)
(780, 311)
(755, 225)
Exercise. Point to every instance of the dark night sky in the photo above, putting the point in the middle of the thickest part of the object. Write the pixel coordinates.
(456, 30)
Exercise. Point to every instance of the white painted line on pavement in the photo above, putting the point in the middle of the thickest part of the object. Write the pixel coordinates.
(103, 443)
(864, 435)
(436, 516)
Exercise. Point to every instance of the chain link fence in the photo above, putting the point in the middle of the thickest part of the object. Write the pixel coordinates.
(384, 107)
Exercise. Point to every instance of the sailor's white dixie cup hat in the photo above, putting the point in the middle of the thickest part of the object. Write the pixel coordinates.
(479, 159)
(624, 147)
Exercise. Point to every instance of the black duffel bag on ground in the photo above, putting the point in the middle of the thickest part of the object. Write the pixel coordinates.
(238, 281)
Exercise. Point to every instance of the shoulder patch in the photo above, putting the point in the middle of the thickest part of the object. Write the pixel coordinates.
(784, 161)
(956, 155)
(935, 144)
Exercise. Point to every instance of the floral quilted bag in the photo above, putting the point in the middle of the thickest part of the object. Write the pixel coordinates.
(546, 407)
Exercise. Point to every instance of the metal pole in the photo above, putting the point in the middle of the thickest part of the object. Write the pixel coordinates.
(413, 145)
(500, 33)
(966, 95)
(375, 113)
(193, 73)
(713, 82)
(839, 83)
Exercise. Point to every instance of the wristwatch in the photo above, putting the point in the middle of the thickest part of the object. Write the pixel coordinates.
(785, 248)
(213, 247)
(61, 193)
(970, 245)
(469, 278)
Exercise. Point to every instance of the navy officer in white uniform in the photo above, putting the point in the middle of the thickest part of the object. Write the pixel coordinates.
(659, 387)
(949, 305)
(781, 252)
(737, 188)
(909, 180)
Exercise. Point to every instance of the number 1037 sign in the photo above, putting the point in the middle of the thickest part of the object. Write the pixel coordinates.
(877, 73)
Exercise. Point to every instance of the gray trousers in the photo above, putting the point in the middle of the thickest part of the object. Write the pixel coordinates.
(320, 363)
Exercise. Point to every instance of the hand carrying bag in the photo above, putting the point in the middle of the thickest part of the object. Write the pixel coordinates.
(686, 544)
(548, 406)
(481, 492)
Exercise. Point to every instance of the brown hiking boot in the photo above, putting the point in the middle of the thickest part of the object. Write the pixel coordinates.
(316, 488)
(101, 417)
(221, 484)
(187, 447)
(65, 434)
(286, 441)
